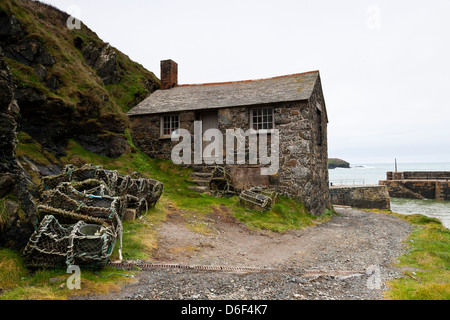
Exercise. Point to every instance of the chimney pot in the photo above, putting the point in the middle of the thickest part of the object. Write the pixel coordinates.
(169, 74)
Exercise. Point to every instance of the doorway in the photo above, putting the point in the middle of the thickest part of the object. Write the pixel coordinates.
(209, 121)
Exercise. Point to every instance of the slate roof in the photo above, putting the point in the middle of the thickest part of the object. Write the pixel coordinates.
(293, 87)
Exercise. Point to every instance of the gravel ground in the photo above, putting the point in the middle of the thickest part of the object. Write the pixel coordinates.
(347, 258)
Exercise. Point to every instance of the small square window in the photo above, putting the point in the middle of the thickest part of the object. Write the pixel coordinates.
(169, 125)
(262, 118)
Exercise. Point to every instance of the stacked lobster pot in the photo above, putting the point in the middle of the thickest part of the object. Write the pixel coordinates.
(143, 193)
(81, 212)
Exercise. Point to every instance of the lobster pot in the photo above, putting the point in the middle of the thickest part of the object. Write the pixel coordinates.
(220, 183)
(104, 205)
(97, 206)
(144, 193)
(109, 177)
(253, 200)
(54, 245)
(80, 190)
(156, 189)
(51, 182)
(137, 187)
(138, 204)
(92, 186)
(88, 171)
(57, 199)
(122, 184)
(71, 217)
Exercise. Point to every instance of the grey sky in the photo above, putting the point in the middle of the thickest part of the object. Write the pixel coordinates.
(383, 64)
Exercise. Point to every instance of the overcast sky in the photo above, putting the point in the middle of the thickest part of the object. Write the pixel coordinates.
(384, 65)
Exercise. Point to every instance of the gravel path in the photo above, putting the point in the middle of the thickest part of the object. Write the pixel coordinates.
(348, 257)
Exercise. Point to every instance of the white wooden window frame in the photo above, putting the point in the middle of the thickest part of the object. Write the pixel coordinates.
(172, 125)
(266, 116)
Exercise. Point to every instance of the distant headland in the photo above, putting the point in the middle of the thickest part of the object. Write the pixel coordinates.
(337, 163)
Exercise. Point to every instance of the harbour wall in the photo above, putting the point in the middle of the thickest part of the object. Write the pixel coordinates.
(418, 189)
(360, 196)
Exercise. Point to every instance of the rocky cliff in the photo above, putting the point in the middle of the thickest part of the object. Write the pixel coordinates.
(69, 83)
(17, 209)
(56, 85)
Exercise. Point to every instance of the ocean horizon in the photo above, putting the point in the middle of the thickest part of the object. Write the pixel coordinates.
(372, 173)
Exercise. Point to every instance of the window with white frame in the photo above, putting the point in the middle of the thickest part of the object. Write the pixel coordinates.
(262, 118)
(169, 124)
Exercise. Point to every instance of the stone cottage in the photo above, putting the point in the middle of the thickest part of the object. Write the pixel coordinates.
(292, 104)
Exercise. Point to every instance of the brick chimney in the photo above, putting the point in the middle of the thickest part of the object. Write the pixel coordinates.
(169, 74)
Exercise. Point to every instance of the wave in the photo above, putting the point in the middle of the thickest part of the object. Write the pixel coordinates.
(362, 167)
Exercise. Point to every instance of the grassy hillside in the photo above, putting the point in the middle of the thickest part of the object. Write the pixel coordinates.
(69, 83)
(48, 24)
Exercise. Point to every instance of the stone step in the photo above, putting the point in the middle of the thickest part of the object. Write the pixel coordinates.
(202, 183)
(200, 175)
(202, 168)
(199, 189)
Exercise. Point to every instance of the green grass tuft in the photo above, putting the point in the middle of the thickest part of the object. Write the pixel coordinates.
(428, 253)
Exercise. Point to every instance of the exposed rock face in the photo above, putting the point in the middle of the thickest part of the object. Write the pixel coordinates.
(104, 61)
(17, 209)
(10, 28)
(51, 121)
(109, 145)
(26, 50)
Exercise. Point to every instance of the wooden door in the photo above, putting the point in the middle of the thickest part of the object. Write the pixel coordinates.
(209, 121)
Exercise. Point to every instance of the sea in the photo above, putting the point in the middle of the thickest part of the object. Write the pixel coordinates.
(369, 174)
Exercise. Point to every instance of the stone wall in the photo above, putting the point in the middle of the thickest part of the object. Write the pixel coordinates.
(303, 171)
(418, 175)
(368, 197)
(145, 132)
(418, 189)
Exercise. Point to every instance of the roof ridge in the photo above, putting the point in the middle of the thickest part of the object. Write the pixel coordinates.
(245, 81)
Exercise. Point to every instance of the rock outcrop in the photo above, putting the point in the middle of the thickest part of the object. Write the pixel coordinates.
(337, 163)
(17, 210)
(60, 81)
(104, 61)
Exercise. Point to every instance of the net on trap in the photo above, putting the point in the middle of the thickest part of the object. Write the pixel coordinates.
(82, 244)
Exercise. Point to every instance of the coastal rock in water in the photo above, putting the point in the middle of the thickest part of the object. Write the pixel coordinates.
(337, 163)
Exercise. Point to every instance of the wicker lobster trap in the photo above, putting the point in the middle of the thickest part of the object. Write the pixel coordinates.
(258, 198)
(81, 212)
(82, 244)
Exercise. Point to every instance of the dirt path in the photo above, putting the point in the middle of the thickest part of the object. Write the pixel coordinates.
(342, 251)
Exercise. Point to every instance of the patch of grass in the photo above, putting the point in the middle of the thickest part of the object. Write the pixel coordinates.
(139, 236)
(19, 283)
(30, 148)
(286, 214)
(428, 253)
